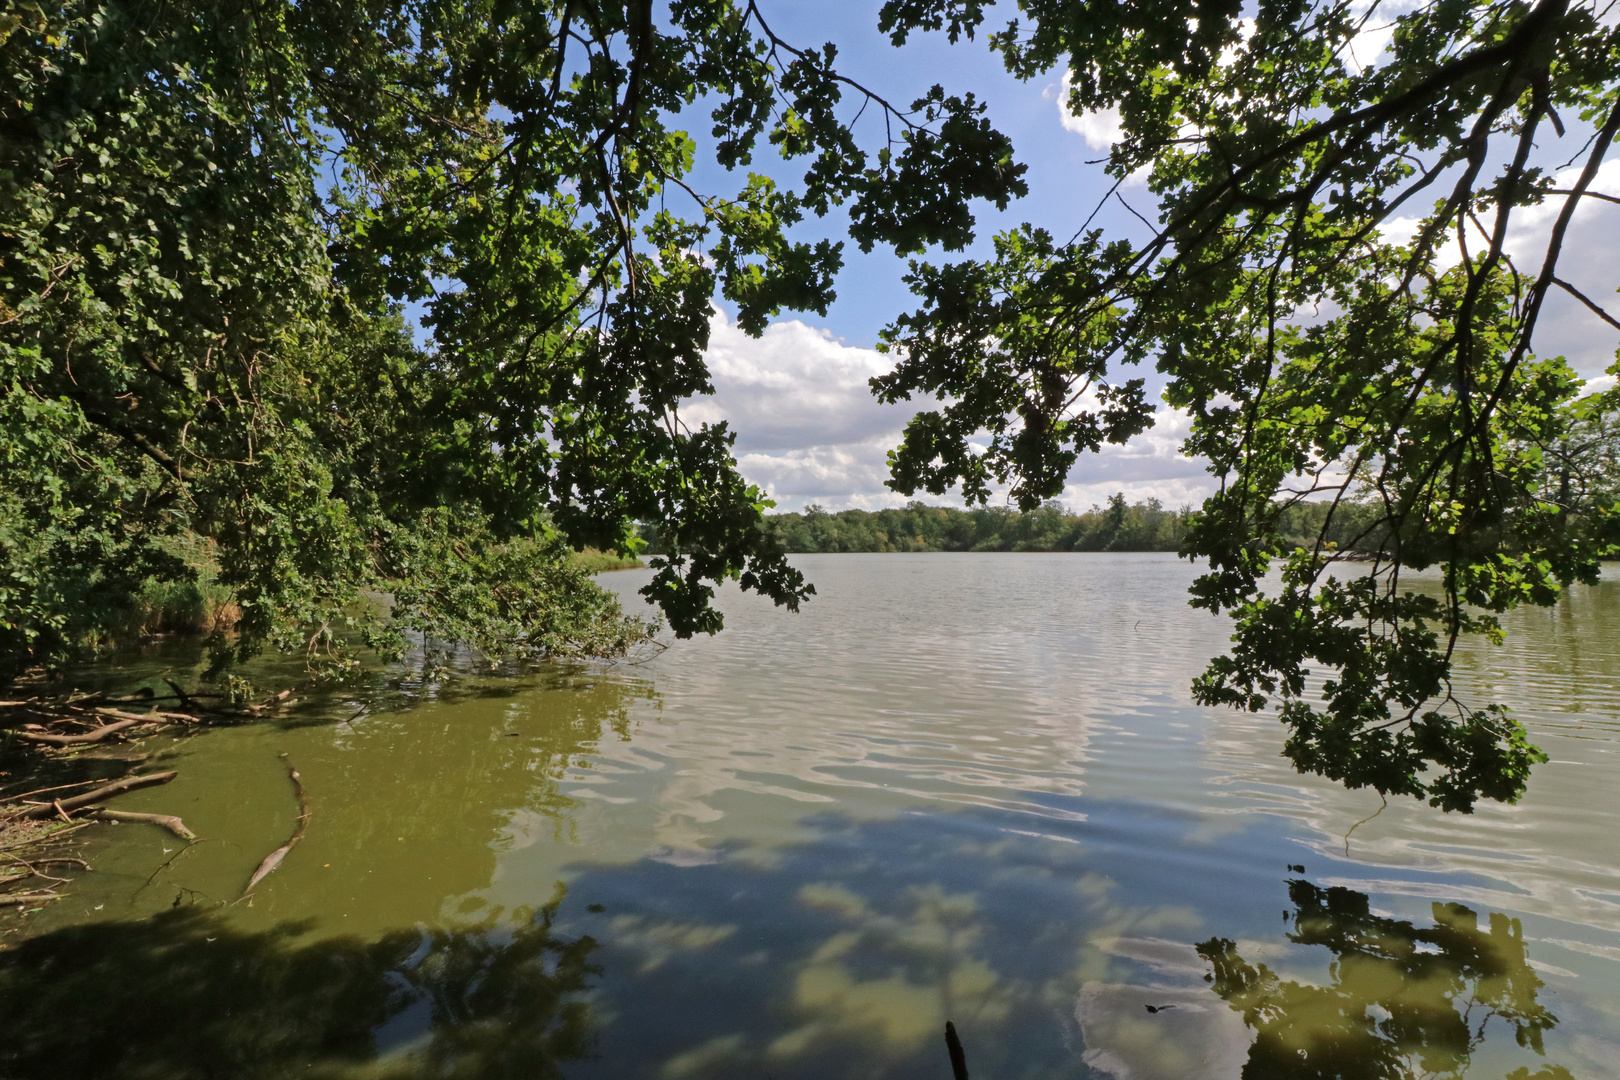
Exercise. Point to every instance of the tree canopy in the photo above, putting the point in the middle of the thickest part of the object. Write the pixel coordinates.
(1321, 354)
(215, 219)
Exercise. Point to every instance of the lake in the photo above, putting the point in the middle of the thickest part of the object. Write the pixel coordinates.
(964, 787)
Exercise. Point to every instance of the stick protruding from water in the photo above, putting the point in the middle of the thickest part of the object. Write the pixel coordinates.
(954, 1046)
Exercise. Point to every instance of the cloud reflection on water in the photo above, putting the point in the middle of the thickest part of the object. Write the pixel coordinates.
(843, 958)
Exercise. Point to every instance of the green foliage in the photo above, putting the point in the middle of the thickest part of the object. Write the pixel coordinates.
(1579, 470)
(984, 341)
(502, 597)
(214, 217)
(1143, 526)
(200, 605)
(595, 562)
(1320, 361)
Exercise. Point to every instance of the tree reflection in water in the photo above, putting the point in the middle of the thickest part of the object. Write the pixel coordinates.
(184, 995)
(1404, 1001)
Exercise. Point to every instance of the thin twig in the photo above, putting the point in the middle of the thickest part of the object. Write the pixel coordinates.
(46, 838)
(1583, 194)
(1383, 804)
(45, 790)
(1583, 298)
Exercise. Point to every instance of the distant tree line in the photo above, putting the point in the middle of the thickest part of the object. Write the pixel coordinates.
(1118, 526)
(1358, 526)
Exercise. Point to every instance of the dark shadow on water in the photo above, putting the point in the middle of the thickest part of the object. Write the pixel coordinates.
(421, 677)
(183, 995)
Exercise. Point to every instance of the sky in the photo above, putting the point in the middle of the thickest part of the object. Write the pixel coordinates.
(808, 430)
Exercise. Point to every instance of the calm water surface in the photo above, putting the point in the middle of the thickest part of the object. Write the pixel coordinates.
(956, 786)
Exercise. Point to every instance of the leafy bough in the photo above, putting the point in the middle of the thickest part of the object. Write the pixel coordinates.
(1320, 361)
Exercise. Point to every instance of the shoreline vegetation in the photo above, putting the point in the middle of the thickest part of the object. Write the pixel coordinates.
(53, 779)
(203, 606)
(597, 562)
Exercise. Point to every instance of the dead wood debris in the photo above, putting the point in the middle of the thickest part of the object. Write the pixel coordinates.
(65, 723)
(273, 860)
(29, 827)
(88, 737)
(117, 787)
(168, 821)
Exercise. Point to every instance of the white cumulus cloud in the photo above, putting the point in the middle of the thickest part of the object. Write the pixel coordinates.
(794, 387)
(809, 430)
(1100, 129)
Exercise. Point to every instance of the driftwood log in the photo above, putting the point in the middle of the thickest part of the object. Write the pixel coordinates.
(168, 821)
(88, 737)
(273, 860)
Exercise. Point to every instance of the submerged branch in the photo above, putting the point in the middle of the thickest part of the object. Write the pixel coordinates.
(273, 860)
(78, 740)
(167, 821)
(117, 787)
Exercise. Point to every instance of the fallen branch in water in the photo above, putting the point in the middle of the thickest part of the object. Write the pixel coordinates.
(73, 719)
(80, 863)
(179, 692)
(43, 790)
(27, 897)
(272, 700)
(31, 870)
(168, 821)
(117, 787)
(273, 860)
(49, 836)
(76, 740)
(153, 717)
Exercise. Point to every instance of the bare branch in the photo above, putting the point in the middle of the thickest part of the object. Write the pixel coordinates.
(1583, 298)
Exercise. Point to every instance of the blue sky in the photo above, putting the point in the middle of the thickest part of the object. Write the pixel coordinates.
(808, 431)
(1064, 188)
